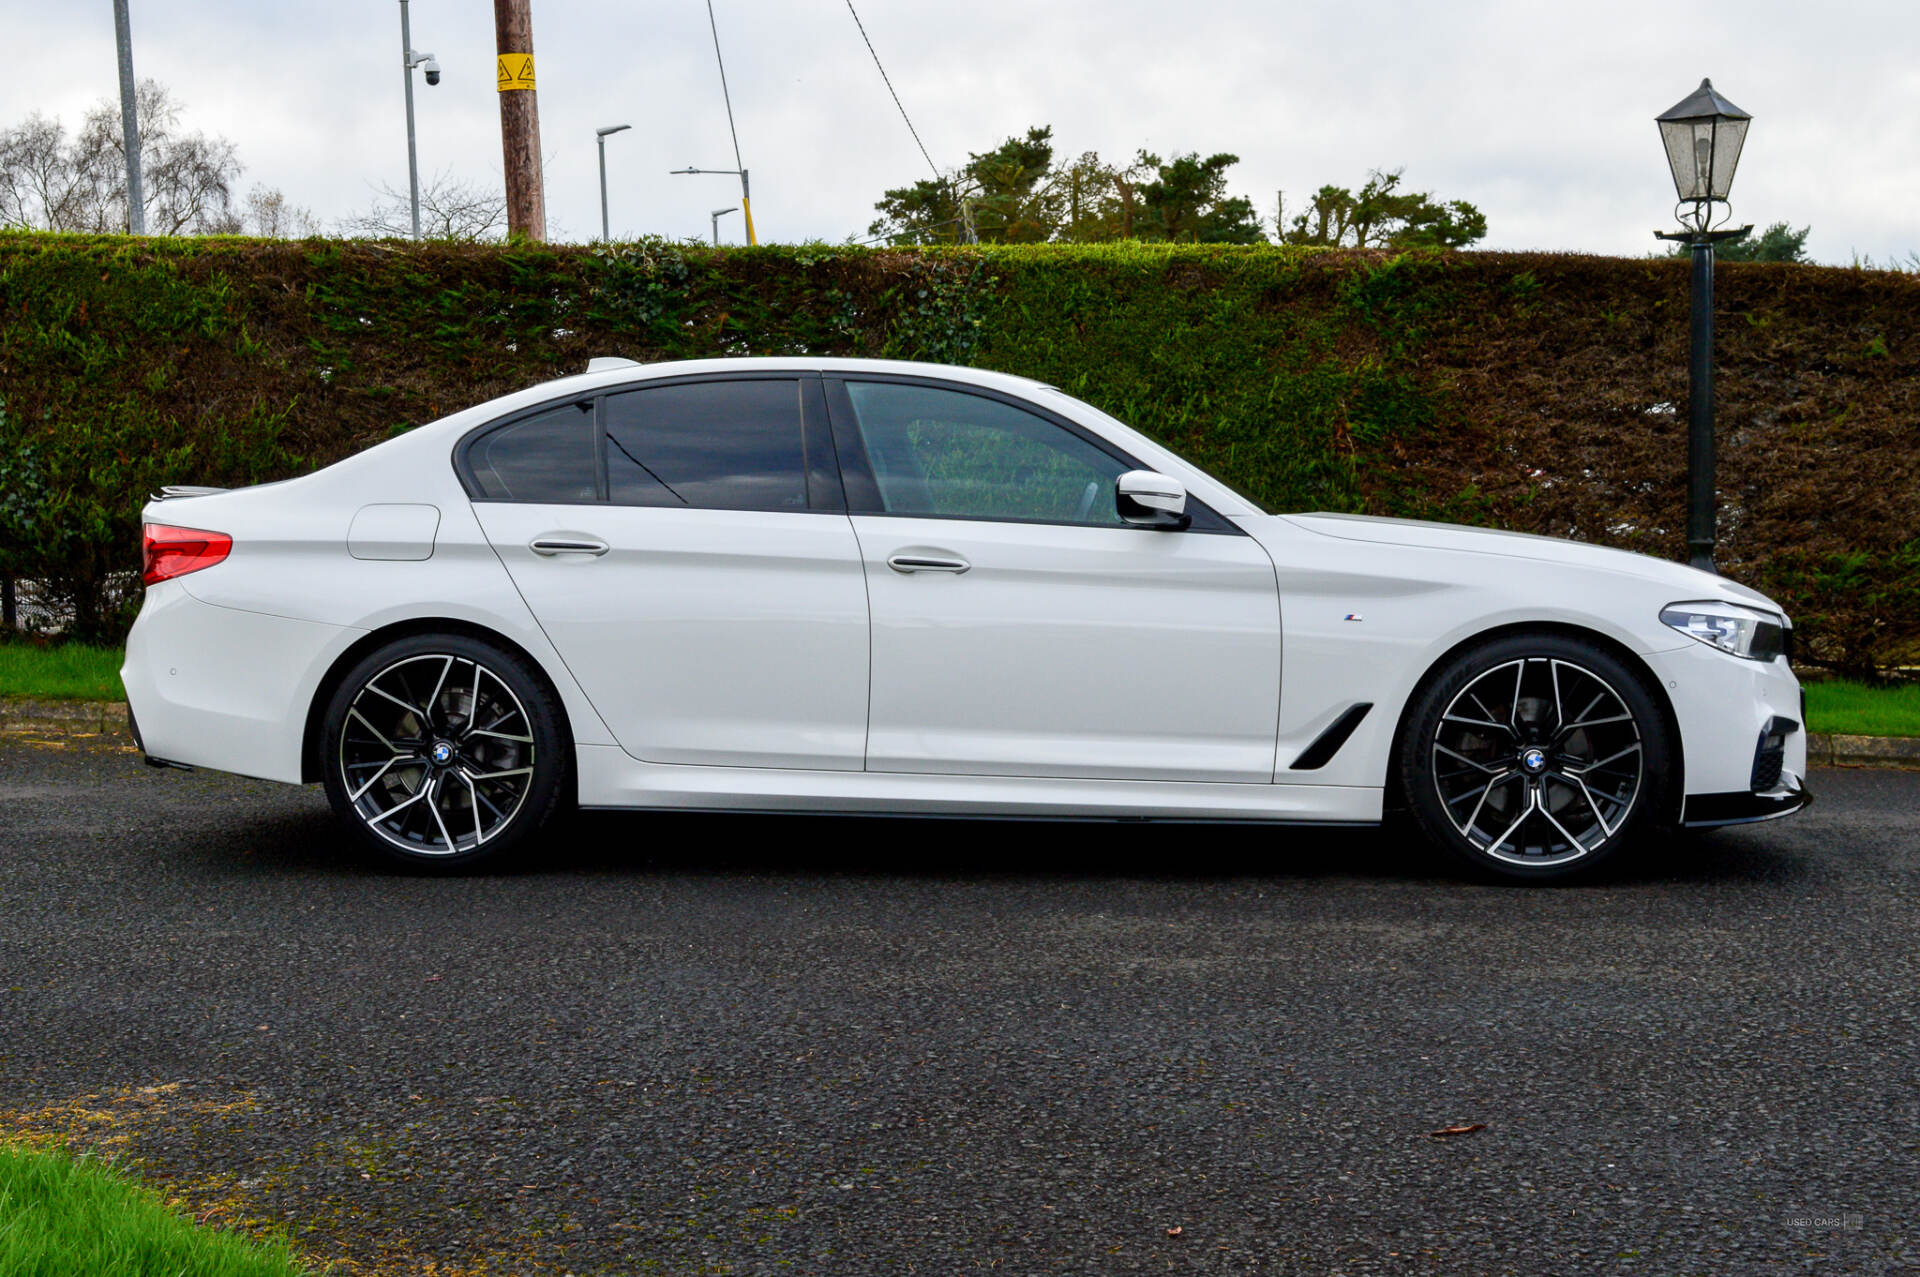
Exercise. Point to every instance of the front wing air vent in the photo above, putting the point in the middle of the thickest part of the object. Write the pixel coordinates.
(1328, 743)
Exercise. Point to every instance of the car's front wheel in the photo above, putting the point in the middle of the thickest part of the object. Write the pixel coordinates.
(441, 750)
(1535, 757)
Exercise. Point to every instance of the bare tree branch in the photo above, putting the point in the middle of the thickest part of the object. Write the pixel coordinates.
(50, 183)
(450, 209)
(46, 184)
(269, 215)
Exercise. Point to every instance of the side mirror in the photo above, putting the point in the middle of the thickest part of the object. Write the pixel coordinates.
(1151, 500)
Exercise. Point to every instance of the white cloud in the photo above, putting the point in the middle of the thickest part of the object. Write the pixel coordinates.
(1539, 112)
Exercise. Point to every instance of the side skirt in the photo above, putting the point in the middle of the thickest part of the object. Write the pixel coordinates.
(610, 778)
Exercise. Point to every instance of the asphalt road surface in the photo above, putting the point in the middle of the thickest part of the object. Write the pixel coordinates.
(756, 1045)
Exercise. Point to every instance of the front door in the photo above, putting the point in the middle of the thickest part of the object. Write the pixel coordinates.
(685, 548)
(1020, 628)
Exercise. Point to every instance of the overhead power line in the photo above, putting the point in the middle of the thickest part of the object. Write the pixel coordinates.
(924, 226)
(724, 95)
(888, 80)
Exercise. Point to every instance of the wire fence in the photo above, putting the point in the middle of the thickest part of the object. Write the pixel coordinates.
(29, 608)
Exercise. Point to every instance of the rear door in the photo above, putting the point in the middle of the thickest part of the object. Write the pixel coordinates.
(1020, 628)
(685, 546)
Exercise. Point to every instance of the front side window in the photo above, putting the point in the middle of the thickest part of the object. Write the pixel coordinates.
(547, 457)
(946, 454)
(716, 445)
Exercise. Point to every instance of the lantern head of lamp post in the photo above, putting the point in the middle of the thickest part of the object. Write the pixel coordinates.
(1703, 133)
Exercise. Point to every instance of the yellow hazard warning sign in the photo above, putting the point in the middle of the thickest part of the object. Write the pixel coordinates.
(515, 72)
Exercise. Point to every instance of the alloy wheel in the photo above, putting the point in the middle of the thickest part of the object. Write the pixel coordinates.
(1538, 762)
(436, 754)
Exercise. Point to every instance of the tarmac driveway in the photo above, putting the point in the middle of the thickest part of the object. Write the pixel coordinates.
(758, 1045)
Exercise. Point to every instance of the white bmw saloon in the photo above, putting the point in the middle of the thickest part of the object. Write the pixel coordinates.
(859, 586)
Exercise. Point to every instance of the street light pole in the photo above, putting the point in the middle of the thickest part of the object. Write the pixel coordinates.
(413, 161)
(1701, 512)
(129, 120)
(600, 136)
(408, 61)
(746, 192)
(718, 213)
(1704, 134)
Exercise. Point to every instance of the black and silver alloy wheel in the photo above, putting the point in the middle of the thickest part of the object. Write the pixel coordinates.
(1534, 757)
(1537, 761)
(441, 750)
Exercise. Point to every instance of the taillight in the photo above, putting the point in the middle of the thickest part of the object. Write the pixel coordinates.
(172, 551)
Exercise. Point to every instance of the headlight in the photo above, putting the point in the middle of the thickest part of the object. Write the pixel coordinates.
(1740, 631)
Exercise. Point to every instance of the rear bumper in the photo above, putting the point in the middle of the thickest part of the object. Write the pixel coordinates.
(133, 726)
(221, 688)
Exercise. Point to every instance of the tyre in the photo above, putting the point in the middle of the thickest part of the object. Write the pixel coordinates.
(1534, 757)
(440, 751)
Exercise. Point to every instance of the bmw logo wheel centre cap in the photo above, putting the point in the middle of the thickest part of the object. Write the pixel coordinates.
(1534, 760)
(441, 753)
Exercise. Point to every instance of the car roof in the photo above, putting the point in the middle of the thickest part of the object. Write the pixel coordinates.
(625, 373)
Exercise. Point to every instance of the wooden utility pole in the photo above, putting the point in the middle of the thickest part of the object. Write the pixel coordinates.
(519, 119)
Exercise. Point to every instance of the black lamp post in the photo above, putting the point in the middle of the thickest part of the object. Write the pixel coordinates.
(1703, 134)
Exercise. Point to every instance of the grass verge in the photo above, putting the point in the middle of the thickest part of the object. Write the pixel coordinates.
(60, 672)
(65, 1216)
(1861, 709)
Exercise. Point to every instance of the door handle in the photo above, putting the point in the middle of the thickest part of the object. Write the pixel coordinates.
(911, 563)
(547, 547)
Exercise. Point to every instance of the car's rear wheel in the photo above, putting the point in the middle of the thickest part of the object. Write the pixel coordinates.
(441, 751)
(1535, 757)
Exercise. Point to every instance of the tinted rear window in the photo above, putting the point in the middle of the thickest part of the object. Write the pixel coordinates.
(545, 457)
(718, 445)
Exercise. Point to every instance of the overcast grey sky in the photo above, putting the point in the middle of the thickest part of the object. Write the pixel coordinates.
(1540, 113)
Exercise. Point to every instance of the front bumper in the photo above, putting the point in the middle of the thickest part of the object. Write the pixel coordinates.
(1743, 736)
(1705, 811)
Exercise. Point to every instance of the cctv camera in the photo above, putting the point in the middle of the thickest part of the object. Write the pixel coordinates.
(433, 71)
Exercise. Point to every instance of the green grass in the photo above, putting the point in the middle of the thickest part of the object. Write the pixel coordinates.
(62, 1216)
(62, 672)
(1861, 709)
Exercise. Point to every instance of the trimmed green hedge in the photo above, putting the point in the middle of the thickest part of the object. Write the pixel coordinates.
(1532, 391)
